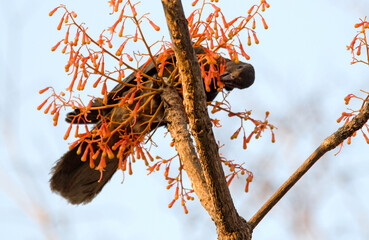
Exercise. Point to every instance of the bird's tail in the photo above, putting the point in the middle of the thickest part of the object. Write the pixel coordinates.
(74, 179)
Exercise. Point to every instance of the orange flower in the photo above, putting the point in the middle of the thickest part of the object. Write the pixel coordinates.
(157, 28)
(53, 11)
(43, 90)
(61, 23)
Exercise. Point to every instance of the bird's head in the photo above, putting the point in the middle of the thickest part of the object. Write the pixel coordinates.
(237, 75)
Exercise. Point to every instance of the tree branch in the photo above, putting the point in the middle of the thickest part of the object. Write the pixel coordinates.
(175, 116)
(328, 144)
(229, 224)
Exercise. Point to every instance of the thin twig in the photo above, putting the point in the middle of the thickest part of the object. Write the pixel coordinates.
(328, 144)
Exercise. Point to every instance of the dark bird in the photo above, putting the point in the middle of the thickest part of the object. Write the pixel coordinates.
(75, 180)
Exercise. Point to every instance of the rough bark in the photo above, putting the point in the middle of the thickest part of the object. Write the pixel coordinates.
(229, 224)
(177, 125)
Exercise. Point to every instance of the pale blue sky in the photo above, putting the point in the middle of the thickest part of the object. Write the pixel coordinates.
(303, 72)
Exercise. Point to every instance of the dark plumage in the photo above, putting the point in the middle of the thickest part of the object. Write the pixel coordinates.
(76, 181)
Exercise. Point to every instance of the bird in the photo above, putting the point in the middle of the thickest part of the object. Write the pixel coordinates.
(74, 179)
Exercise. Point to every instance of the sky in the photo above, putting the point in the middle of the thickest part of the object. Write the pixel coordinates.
(303, 72)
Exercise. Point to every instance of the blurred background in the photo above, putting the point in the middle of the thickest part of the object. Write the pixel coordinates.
(303, 72)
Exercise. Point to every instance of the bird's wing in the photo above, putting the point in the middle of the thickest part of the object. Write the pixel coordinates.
(115, 94)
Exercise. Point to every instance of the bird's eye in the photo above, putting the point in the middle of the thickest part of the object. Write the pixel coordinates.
(240, 66)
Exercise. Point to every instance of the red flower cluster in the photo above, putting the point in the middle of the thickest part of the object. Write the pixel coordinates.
(87, 66)
(360, 42)
(347, 116)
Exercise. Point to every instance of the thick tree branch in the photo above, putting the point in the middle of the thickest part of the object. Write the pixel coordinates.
(177, 125)
(328, 144)
(229, 224)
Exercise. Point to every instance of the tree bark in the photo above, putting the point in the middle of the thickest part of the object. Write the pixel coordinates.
(229, 224)
(177, 125)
